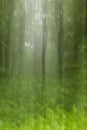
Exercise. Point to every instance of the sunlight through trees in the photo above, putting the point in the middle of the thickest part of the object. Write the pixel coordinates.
(43, 67)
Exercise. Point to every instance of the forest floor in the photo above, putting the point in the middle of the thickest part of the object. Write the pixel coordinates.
(58, 120)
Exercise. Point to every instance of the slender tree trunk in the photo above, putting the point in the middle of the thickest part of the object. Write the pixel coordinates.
(21, 39)
(44, 43)
(59, 25)
(10, 10)
(60, 38)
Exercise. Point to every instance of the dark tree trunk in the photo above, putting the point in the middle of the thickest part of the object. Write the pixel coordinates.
(60, 38)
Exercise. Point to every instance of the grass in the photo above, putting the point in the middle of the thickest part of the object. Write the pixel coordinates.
(54, 120)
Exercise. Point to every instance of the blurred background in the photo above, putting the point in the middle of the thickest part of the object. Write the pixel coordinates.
(43, 60)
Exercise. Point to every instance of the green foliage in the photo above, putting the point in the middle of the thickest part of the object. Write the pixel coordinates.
(58, 120)
(43, 67)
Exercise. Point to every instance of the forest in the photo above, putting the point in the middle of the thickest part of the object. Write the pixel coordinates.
(43, 65)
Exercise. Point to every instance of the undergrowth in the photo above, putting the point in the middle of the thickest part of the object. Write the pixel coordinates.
(53, 120)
